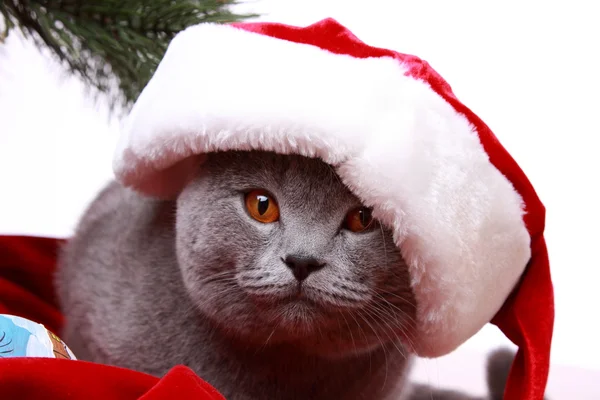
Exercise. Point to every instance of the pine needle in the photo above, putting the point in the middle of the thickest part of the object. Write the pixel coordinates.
(113, 45)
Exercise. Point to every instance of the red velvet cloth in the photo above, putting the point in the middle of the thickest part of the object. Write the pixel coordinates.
(527, 318)
(26, 269)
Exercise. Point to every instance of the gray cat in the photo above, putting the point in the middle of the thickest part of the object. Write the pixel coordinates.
(266, 276)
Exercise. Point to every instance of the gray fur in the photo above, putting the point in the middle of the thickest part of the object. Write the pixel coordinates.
(148, 284)
(498, 367)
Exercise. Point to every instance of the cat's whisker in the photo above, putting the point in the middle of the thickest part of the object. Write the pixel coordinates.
(384, 247)
(401, 328)
(340, 299)
(402, 312)
(214, 277)
(382, 347)
(376, 312)
(319, 330)
(406, 326)
(223, 280)
(350, 332)
(277, 324)
(224, 288)
(362, 332)
(404, 299)
(396, 341)
(399, 320)
(223, 292)
(268, 338)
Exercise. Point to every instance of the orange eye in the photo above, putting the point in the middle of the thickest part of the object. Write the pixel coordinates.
(359, 220)
(262, 207)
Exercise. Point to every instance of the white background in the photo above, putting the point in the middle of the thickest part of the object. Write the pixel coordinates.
(531, 70)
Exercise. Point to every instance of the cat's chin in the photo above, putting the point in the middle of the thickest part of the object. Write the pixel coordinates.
(305, 325)
(298, 316)
(305, 321)
(313, 328)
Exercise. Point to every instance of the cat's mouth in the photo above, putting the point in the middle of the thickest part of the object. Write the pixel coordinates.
(294, 306)
(301, 296)
(300, 293)
(307, 297)
(292, 294)
(300, 312)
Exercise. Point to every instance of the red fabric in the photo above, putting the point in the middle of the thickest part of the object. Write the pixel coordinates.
(26, 290)
(26, 268)
(527, 317)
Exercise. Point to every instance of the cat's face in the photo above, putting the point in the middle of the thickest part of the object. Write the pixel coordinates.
(274, 249)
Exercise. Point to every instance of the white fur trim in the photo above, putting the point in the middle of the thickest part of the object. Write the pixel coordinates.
(398, 145)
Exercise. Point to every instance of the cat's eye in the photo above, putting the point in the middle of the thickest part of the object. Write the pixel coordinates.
(359, 220)
(262, 207)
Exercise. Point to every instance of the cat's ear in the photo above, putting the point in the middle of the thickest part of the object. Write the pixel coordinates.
(465, 216)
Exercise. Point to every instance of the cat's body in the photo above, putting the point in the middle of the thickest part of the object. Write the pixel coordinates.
(149, 284)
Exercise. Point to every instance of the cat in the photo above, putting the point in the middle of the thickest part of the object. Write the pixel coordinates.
(266, 276)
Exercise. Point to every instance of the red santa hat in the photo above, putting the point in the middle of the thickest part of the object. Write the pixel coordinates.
(464, 215)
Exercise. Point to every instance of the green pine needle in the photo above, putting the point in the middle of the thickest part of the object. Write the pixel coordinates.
(114, 45)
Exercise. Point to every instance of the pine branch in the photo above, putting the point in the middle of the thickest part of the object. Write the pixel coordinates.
(114, 45)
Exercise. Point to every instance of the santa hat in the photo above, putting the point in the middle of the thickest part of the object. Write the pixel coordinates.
(464, 215)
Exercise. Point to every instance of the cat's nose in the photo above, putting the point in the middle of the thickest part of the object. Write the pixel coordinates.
(302, 266)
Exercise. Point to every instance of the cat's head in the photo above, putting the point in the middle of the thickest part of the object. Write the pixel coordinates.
(275, 249)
